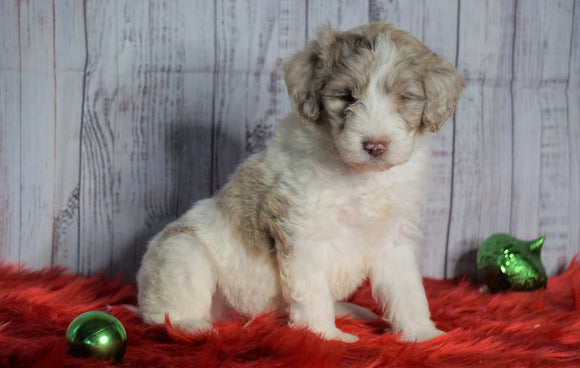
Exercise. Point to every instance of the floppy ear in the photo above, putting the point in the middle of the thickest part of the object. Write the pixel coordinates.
(302, 74)
(443, 85)
(299, 75)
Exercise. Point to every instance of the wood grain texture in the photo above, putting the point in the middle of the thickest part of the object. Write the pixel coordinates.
(69, 34)
(541, 184)
(233, 59)
(37, 132)
(10, 165)
(407, 15)
(482, 153)
(115, 116)
(193, 134)
(434, 24)
(144, 127)
(134, 132)
(555, 184)
(97, 179)
(440, 35)
(10, 132)
(341, 14)
(573, 103)
(248, 93)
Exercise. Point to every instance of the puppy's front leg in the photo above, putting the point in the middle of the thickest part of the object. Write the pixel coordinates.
(310, 303)
(397, 283)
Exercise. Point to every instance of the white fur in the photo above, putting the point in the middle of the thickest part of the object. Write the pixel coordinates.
(352, 216)
(348, 225)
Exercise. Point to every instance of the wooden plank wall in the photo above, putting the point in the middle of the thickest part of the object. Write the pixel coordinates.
(116, 115)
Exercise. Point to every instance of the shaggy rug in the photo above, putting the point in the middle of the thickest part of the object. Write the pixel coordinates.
(525, 329)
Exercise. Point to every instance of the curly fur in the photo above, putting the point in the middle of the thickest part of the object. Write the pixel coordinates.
(334, 199)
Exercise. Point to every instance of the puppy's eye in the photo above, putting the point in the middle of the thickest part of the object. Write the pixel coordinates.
(404, 98)
(349, 99)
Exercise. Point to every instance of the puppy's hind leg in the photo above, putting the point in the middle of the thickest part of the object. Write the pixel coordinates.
(177, 279)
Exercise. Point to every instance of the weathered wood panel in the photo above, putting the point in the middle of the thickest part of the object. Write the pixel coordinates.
(69, 34)
(135, 131)
(248, 91)
(542, 185)
(37, 131)
(193, 134)
(116, 115)
(573, 99)
(97, 138)
(340, 14)
(482, 154)
(234, 63)
(151, 159)
(10, 103)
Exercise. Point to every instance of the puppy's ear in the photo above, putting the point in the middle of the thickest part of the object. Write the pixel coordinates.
(443, 85)
(303, 79)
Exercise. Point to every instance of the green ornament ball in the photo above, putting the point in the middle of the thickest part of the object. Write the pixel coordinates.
(506, 263)
(97, 334)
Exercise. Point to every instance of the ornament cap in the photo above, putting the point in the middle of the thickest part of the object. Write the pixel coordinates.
(536, 245)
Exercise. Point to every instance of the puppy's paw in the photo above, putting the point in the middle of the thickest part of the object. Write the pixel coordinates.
(423, 334)
(336, 334)
(193, 325)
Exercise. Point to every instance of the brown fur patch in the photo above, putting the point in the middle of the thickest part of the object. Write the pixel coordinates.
(175, 229)
(338, 63)
(404, 86)
(254, 207)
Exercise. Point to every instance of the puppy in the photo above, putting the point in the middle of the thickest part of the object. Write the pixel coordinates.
(336, 197)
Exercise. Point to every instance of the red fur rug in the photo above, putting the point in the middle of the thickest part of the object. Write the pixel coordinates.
(535, 329)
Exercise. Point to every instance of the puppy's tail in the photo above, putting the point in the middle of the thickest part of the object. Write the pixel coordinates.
(133, 308)
(354, 311)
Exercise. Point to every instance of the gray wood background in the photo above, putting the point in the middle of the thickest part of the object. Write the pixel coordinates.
(117, 115)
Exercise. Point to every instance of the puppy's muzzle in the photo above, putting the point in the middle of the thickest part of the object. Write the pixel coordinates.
(375, 148)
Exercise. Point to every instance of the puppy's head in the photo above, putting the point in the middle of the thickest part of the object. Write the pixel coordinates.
(372, 88)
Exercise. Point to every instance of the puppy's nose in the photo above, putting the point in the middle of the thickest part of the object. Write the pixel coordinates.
(375, 148)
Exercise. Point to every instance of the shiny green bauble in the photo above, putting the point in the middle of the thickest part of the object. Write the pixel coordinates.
(506, 263)
(97, 334)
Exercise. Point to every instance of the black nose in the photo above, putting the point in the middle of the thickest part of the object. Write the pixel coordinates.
(375, 148)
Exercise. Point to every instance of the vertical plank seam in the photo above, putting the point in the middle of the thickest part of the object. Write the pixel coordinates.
(149, 73)
(306, 21)
(541, 133)
(449, 216)
(113, 131)
(82, 134)
(181, 127)
(568, 120)
(423, 21)
(54, 169)
(212, 154)
(513, 113)
(20, 134)
(570, 58)
(570, 49)
(247, 126)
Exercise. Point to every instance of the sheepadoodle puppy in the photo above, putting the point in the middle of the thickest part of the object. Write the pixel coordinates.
(336, 197)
